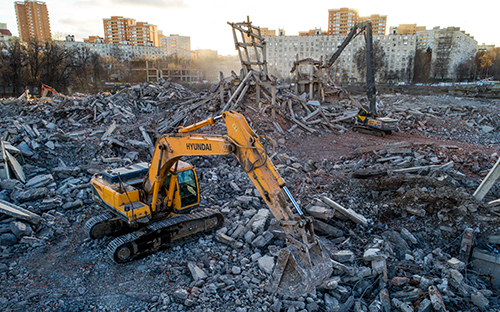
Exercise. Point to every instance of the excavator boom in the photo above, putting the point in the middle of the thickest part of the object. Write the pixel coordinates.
(303, 264)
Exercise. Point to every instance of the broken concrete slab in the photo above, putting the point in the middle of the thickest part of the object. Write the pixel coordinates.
(20, 229)
(40, 180)
(10, 184)
(343, 256)
(8, 239)
(29, 194)
(259, 220)
(325, 213)
(436, 299)
(327, 229)
(196, 272)
(348, 213)
(223, 238)
(262, 240)
(109, 131)
(479, 300)
(72, 204)
(67, 171)
(18, 212)
(266, 264)
(17, 168)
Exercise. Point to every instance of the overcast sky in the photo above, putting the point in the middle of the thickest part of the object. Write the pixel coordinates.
(205, 21)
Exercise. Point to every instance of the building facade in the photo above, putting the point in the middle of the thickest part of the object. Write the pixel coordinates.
(485, 47)
(282, 51)
(123, 30)
(341, 21)
(379, 23)
(94, 39)
(116, 29)
(408, 29)
(425, 39)
(143, 34)
(32, 20)
(5, 33)
(122, 52)
(452, 48)
(313, 32)
(177, 46)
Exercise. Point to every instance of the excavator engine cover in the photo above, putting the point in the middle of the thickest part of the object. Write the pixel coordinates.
(299, 270)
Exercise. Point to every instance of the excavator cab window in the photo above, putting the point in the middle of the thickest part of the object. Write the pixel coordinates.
(363, 112)
(188, 188)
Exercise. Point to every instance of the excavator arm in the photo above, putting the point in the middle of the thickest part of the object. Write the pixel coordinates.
(303, 264)
(365, 26)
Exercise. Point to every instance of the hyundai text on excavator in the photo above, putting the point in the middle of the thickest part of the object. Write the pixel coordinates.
(150, 206)
(367, 116)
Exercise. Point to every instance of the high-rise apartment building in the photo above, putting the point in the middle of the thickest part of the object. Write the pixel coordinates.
(177, 46)
(341, 21)
(116, 29)
(143, 34)
(379, 23)
(123, 30)
(452, 48)
(32, 20)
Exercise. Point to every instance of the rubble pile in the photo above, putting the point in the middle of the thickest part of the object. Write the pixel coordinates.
(397, 218)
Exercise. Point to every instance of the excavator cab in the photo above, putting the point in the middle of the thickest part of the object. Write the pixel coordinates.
(376, 126)
(186, 195)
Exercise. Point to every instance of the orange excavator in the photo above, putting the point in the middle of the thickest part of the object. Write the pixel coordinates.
(46, 89)
(151, 206)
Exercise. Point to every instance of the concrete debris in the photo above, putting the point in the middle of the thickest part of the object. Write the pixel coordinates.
(396, 214)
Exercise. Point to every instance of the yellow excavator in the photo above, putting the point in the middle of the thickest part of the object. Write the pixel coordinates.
(151, 206)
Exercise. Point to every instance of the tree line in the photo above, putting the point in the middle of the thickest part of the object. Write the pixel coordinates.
(28, 65)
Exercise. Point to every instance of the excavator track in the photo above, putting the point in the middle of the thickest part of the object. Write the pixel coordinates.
(103, 225)
(367, 130)
(162, 234)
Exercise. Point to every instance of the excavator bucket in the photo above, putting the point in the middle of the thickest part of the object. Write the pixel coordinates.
(299, 270)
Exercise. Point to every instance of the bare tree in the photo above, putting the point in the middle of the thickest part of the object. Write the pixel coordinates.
(35, 55)
(379, 58)
(464, 70)
(13, 59)
(422, 66)
(56, 65)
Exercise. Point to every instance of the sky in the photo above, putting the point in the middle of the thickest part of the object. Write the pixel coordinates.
(205, 21)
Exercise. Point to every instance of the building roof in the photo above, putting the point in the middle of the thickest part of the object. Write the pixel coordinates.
(5, 32)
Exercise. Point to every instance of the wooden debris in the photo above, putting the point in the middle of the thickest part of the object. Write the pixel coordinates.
(488, 182)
